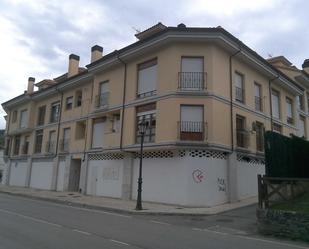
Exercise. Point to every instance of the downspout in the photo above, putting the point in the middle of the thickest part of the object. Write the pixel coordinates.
(270, 103)
(123, 99)
(231, 98)
(58, 125)
(58, 134)
(87, 121)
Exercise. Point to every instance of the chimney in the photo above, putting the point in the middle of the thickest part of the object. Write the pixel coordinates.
(306, 65)
(73, 65)
(30, 87)
(96, 53)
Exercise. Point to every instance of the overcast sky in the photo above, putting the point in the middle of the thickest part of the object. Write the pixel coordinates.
(37, 36)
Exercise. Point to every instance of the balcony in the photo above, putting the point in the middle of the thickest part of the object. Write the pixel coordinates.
(192, 131)
(290, 120)
(64, 145)
(258, 103)
(192, 81)
(25, 148)
(240, 94)
(102, 100)
(50, 147)
(38, 147)
(242, 138)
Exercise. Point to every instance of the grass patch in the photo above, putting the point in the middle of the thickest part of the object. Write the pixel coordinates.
(300, 205)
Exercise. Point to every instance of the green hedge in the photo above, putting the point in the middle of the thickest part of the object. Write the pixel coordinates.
(285, 156)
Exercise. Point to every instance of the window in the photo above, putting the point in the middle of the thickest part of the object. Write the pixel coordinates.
(25, 147)
(146, 114)
(80, 130)
(65, 142)
(147, 79)
(192, 122)
(103, 97)
(259, 130)
(308, 101)
(241, 132)
(277, 128)
(275, 104)
(69, 103)
(23, 119)
(258, 97)
(78, 98)
(16, 145)
(7, 147)
(38, 141)
(51, 143)
(302, 126)
(192, 75)
(239, 87)
(41, 115)
(116, 123)
(55, 112)
(289, 111)
(98, 132)
(1, 176)
(14, 116)
(300, 102)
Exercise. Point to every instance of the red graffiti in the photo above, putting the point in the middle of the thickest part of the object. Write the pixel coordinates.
(198, 175)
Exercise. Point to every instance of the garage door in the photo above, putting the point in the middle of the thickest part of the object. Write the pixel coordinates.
(18, 174)
(41, 175)
(105, 178)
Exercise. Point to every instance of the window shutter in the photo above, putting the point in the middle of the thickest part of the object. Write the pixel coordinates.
(275, 105)
(147, 78)
(98, 134)
(192, 65)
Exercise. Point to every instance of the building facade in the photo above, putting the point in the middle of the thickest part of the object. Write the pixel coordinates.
(205, 96)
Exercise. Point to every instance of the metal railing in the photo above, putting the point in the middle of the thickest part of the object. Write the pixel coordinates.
(192, 81)
(38, 147)
(25, 148)
(102, 100)
(242, 138)
(258, 103)
(147, 94)
(64, 145)
(240, 94)
(50, 147)
(192, 131)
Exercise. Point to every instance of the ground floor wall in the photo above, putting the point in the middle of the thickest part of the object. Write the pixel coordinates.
(189, 177)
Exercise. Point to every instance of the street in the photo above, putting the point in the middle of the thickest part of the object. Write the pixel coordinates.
(27, 223)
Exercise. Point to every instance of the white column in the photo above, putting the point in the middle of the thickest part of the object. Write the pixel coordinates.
(55, 173)
(67, 173)
(29, 169)
(232, 177)
(127, 176)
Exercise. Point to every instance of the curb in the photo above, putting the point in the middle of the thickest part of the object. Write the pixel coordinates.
(102, 208)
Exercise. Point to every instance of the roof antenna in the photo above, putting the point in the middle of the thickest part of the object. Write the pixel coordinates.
(136, 30)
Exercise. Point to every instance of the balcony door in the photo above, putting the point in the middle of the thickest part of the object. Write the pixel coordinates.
(192, 123)
(192, 73)
(98, 132)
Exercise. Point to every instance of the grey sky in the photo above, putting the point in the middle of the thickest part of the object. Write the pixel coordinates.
(37, 35)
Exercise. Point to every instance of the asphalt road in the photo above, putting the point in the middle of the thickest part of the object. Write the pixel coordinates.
(27, 223)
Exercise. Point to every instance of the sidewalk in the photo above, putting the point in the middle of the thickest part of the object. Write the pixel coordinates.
(118, 205)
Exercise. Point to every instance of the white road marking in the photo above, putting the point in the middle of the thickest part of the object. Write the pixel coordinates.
(82, 232)
(216, 232)
(64, 205)
(119, 242)
(160, 222)
(30, 218)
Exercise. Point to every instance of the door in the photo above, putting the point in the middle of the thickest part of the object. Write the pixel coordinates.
(74, 175)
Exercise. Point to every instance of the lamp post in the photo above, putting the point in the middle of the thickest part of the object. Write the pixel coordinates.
(142, 126)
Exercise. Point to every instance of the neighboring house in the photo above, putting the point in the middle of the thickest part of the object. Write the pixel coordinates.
(2, 167)
(206, 97)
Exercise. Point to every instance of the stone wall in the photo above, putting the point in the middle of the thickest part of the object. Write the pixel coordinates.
(290, 225)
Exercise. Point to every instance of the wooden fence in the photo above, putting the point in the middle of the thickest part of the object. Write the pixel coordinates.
(277, 189)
